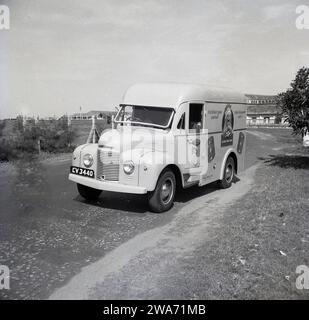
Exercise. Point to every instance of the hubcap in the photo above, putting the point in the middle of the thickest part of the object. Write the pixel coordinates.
(229, 173)
(167, 190)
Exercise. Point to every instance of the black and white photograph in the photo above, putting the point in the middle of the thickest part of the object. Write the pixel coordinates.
(154, 150)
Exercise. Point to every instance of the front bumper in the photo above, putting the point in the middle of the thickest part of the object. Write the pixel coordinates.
(105, 185)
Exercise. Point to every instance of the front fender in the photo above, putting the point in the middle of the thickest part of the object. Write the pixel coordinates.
(151, 165)
(130, 155)
(83, 149)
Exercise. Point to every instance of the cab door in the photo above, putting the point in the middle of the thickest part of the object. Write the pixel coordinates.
(196, 137)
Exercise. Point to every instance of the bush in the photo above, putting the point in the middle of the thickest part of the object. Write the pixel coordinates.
(2, 125)
(8, 150)
(45, 135)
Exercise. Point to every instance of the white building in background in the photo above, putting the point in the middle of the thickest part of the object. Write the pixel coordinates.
(98, 114)
(263, 110)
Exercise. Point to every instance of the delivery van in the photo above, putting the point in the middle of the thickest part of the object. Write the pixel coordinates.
(166, 136)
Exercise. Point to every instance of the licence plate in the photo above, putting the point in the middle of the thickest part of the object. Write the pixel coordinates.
(82, 172)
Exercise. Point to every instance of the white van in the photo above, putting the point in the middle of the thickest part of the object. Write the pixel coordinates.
(166, 136)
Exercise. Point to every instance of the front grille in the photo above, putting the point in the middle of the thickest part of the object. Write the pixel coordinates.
(108, 165)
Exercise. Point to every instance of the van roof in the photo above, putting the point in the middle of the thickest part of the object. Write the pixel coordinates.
(173, 94)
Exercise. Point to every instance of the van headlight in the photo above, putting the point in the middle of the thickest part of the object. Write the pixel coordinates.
(87, 160)
(128, 167)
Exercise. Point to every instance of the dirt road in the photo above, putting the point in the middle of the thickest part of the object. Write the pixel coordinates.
(143, 261)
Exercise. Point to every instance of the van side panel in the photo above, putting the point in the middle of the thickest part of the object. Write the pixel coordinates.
(226, 124)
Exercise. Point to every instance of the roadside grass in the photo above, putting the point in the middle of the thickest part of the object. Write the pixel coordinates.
(26, 139)
(269, 231)
(260, 239)
(43, 139)
(257, 244)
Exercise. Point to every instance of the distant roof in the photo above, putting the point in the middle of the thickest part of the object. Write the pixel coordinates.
(263, 109)
(92, 113)
(261, 97)
(172, 94)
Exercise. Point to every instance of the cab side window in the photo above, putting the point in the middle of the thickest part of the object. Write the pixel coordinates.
(195, 115)
(182, 122)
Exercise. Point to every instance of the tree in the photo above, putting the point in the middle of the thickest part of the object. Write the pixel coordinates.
(278, 118)
(295, 103)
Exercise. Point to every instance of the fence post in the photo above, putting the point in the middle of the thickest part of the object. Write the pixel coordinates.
(39, 145)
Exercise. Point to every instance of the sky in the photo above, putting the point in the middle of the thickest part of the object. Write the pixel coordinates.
(61, 55)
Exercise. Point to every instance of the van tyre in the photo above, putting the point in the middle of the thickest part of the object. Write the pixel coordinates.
(228, 174)
(88, 193)
(162, 198)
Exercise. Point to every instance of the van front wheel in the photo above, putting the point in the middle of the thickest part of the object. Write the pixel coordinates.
(228, 174)
(162, 198)
(88, 193)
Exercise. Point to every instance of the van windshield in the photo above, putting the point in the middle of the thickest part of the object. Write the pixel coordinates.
(145, 116)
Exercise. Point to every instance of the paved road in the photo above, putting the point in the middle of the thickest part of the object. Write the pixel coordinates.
(49, 235)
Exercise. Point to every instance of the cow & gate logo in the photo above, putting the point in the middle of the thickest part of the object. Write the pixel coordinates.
(227, 127)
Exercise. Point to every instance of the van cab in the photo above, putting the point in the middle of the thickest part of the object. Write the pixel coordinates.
(166, 136)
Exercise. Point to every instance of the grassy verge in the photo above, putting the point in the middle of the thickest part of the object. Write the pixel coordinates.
(263, 237)
(270, 229)
(43, 138)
